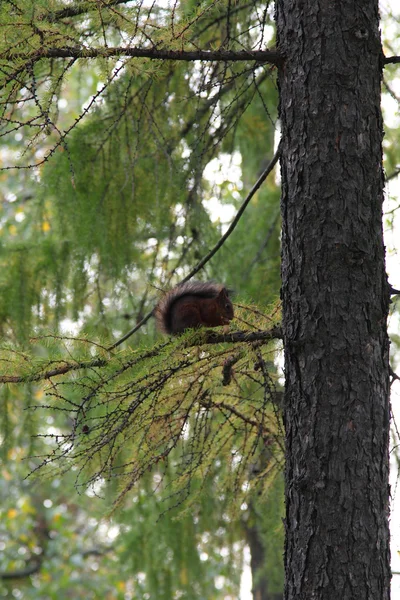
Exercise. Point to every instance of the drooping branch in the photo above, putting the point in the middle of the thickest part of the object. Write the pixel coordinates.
(238, 215)
(178, 402)
(154, 53)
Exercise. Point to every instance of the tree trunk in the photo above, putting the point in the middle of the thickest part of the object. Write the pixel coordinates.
(335, 302)
(260, 588)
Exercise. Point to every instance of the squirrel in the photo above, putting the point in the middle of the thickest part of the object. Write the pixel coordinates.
(193, 304)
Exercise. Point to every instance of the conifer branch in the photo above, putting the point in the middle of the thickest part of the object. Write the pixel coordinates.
(75, 11)
(209, 337)
(61, 370)
(236, 337)
(153, 53)
(217, 246)
(234, 411)
(391, 60)
(152, 403)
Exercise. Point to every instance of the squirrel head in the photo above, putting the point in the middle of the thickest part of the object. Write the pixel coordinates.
(225, 306)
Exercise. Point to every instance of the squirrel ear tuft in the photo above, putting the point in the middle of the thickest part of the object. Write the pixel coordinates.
(227, 292)
(224, 292)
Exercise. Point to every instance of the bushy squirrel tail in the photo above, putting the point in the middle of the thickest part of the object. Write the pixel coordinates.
(163, 310)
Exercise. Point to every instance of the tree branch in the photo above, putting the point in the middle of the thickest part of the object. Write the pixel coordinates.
(392, 175)
(217, 246)
(393, 375)
(262, 56)
(391, 60)
(35, 562)
(209, 337)
(74, 11)
(213, 337)
(65, 368)
(30, 569)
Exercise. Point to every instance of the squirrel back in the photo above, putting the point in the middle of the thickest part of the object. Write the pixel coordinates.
(193, 304)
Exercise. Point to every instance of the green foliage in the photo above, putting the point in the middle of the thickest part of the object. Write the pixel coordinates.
(122, 147)
(51, 546)
(118, 417)
(194, 554)
(127, 413)
(114, 209)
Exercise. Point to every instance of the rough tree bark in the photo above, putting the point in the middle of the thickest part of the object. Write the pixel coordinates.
(335, 301)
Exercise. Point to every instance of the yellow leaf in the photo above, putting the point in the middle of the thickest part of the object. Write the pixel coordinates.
(12, 513)
(26, 506)
(183, 577)
(6, 474)
(46, 226)
(15, 453)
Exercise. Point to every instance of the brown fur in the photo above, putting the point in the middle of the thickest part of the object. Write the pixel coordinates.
(193, 304)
